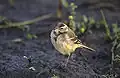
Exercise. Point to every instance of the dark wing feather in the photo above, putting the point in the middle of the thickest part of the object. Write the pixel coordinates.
(73, 37)
(76, 40)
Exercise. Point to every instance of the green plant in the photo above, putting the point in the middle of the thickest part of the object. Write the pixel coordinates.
(115, 50)
(115, 62)
(104, 22)
(72, 16)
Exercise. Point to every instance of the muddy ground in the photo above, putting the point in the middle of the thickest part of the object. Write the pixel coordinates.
(42, 55)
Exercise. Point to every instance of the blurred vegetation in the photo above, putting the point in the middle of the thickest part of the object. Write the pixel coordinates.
(6, 23)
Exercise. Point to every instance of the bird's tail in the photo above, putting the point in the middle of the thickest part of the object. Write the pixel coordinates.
(83, 46)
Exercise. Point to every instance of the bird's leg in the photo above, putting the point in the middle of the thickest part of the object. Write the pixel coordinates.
(67, 60)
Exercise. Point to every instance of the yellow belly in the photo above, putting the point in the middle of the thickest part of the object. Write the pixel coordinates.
(66, 49)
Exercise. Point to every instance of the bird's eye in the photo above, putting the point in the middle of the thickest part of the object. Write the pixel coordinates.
(61, 28)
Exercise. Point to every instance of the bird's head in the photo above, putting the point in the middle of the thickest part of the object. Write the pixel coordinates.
(61, 28)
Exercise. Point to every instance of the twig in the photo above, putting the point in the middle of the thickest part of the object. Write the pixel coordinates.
(18, 24)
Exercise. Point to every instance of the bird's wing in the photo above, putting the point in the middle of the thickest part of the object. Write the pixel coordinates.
(75, 39)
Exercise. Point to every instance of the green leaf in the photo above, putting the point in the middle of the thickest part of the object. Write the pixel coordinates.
(54, 76)
(102, 22)
(118, 46)
(115, 28)
(85, 18)
(82, 28)
(65, 3)
(71, 17)
(34, 36)
(91, 20)
(29, 36)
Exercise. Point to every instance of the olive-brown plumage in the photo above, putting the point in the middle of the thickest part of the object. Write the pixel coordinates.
(64, 39)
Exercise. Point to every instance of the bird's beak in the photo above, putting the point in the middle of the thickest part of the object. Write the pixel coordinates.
(56, 30)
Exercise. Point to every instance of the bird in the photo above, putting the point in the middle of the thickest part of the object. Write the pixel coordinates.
(65, 40)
